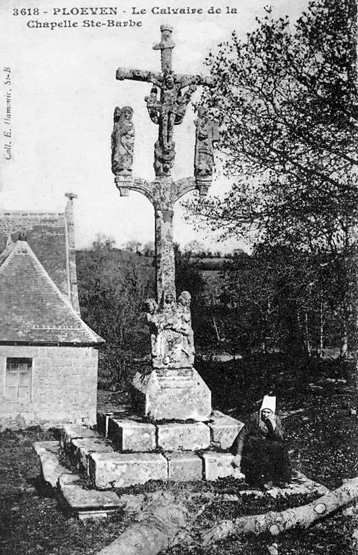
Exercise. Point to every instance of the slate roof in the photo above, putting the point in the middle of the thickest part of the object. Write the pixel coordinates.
(47, 237)
(33, 309)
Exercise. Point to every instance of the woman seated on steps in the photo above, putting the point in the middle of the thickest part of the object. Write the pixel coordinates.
(259, 448)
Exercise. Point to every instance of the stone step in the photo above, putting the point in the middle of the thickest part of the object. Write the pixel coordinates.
(183, 436)
(73, 499)
(184, 467)
(117, 470)
(81, 448)
(112, 469)
(132, 435)
(135, 434)
(219, 465)
(73, 431)
(138, 442)
(103, 418)
(224, 429)
(84, 503)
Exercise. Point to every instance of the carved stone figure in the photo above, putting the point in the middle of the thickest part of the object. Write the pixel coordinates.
(168, 99)
(151, 307)
(169, 305)
(184, 301)
(206, 136)
(166, 110)
(171, 333)
(122, 142)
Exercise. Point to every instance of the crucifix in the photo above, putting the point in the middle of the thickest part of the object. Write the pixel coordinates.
(168, 317)
(166, 105)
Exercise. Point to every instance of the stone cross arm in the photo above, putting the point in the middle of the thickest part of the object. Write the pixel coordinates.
(186, 80)
(139, 75)
(181, 80)
(160, 196)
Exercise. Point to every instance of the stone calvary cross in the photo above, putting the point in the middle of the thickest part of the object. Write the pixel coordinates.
(169, 319)
(166, 111)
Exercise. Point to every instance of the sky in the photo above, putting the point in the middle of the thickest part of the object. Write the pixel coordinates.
(61, 91)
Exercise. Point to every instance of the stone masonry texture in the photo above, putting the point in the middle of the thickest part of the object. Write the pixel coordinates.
(184, 467)
(130, 435)
(63, 385)
(185, 437)
(109, 470)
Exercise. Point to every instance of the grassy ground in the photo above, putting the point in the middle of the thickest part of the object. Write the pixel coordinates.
(317, 402)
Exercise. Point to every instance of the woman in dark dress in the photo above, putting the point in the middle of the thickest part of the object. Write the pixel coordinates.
(260, 450)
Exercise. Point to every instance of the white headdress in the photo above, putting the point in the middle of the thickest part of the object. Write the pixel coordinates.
(269, 402)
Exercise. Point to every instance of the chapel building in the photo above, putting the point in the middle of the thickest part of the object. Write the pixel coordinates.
(48, 354)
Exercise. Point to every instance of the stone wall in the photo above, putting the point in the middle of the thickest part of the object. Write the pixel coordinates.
(62, 381)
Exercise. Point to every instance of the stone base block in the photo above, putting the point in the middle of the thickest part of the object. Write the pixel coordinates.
(183, 467)
(83, 447)
(87, 503)
(183, 437)
(218, 465)
(130, 435)
(224, 429)
(73, 431)
(103, 418)
(179, 394)
(118, 470)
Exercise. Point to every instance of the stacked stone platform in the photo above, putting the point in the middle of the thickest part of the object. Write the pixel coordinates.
(128, 450)
(108, 462)
(133, 451)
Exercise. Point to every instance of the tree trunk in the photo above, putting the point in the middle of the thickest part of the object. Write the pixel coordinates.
(344, 342)
(307, 335)
(160, 522)
(321, 330)
(275, 523)
(165, 521)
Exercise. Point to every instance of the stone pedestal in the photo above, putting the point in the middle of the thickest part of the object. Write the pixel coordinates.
(171, 394)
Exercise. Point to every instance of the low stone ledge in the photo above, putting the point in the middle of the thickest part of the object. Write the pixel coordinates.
(184, 467)
(219, 465)
(183, 437)
(108, 470)
(51, 469)
(85, 504)
(67, 479)
(224, 429)
(131, 435)
(83, 447)
(50, 446)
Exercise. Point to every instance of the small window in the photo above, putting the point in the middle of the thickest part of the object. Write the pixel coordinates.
(18, 379)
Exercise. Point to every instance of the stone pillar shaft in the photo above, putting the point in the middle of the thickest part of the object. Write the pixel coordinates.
(164, 252)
